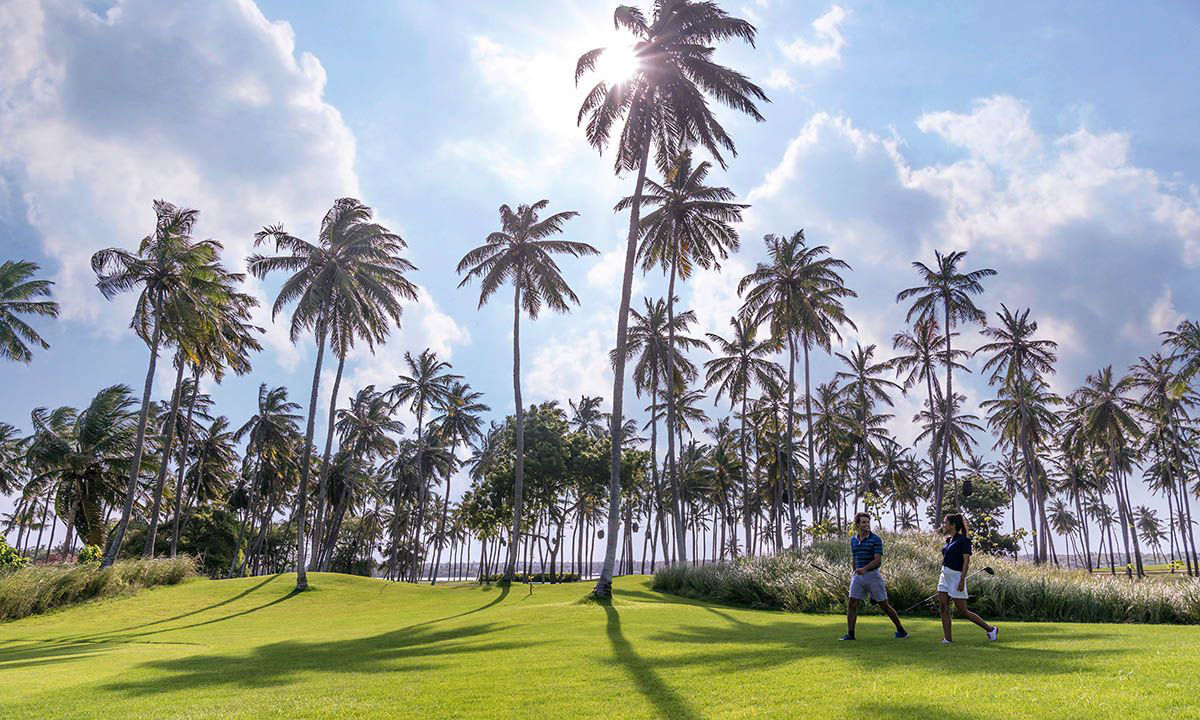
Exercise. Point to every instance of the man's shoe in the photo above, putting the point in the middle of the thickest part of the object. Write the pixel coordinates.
(947, 642)
(847, 636)
(901, 634)
(993, 633)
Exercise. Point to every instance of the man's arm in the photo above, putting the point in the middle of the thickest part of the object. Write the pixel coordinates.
(872, 565)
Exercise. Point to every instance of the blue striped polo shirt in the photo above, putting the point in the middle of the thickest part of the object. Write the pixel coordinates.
(865, 550)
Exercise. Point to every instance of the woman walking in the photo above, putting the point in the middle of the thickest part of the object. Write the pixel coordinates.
(956, 562)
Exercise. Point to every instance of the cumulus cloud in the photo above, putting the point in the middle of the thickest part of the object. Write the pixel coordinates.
(207, 105)
(575, 364)
(827, 46)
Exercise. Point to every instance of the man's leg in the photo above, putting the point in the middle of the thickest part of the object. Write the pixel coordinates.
(851, 616)
(891, 612)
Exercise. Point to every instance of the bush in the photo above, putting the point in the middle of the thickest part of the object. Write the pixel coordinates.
(40, 588)
(90, 554)
(10, 559)
(911, 566)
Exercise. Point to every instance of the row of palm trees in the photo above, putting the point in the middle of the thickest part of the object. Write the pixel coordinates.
(350, 284)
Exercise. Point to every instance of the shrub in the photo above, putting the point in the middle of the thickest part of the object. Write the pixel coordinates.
(40, 588)
(537, 577)
(790, 581)
(90, 554)
(10, 559)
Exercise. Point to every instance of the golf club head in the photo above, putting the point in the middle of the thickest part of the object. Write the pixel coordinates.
(989, 571)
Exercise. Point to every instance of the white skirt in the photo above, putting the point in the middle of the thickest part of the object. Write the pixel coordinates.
(949, 583)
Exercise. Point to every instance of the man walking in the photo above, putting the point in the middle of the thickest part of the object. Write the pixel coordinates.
(867, 548)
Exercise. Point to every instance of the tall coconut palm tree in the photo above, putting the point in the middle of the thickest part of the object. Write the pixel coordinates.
(18, 296)
(947, 290)
(691, 226)
(173, 272)
(799, 293)
(1102, 417)
(742, 363)
(427, 386)
(460, 422)
(921, 353)
(662, 104)
(649, 342)
(348, 283)
(522, 253)
(864, 386)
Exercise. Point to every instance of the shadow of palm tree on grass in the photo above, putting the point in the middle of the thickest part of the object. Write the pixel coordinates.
(402, 650)
(644, 675)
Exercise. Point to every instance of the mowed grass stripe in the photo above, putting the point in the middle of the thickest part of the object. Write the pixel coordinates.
(355, 647)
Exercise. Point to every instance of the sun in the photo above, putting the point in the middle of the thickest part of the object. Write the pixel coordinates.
(617, 63)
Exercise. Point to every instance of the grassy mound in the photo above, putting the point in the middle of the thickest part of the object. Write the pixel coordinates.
(39, 588)
(911, 567)
(355, 647)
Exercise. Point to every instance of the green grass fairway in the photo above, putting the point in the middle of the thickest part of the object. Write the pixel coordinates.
(354, 647)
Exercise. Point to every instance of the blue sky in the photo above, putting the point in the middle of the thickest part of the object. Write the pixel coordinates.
(1056, 142)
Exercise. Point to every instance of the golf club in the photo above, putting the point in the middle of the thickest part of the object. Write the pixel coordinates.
(987, 570)
(835, 577)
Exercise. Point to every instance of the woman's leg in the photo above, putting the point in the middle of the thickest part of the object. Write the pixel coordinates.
(944, 607)
(961, 606)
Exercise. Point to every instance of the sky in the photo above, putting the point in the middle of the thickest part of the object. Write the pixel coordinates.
(1054, 142)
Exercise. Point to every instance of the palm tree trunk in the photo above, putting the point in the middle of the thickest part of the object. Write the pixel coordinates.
(812, 454)
(168, 441)
(672, 469)
(604, 584)
(657, 507)
(940, 491)
(437, 559)
(419, 526)
(1083, 528)
(791, 413)
(180, 488)
(305, 467)
(319, 522)
(745, 477)
(519, 471)
(45, 511)
(135, 466)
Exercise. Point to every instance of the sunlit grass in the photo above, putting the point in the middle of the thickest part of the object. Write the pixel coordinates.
(355, 647)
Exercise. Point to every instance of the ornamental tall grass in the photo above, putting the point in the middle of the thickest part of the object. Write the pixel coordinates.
(911, 566)
(40, 588)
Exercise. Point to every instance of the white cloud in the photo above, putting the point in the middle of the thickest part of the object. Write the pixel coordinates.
(827, 48)
(206, 105)
(577, 364)
(715, 298)
(779, 79)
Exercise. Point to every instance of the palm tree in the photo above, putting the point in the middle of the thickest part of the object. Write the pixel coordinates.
(1102, 417)
(799, 293)
(691, 226)
(84, 455)
(364, 434)
(664, 104)
(648, 341)
(586, 417)
(460, 422)
(948, 290)
(742, 363)
(427, 386)
(173, 273)
(521, 252)
(864, 386)
(18, 293)
(920, 354)
(350, 282)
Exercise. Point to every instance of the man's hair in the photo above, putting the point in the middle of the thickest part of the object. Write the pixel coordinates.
(861, 515)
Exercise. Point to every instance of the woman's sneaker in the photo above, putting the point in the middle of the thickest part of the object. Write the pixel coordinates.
(993, 633)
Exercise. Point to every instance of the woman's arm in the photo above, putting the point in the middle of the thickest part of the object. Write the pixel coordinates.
(962, 579)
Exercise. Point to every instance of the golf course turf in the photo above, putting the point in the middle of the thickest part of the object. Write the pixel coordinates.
(357, 647)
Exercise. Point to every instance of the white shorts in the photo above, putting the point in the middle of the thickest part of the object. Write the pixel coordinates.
(949, 583)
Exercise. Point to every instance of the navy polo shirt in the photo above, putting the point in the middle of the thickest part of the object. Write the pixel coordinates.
(954, 550)
(865, 550)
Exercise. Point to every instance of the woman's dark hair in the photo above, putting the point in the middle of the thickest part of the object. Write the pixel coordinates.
(958, 521)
